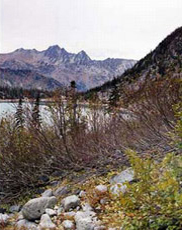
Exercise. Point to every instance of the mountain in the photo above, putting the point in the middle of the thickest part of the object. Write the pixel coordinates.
(58, 64)
(26, 79)
(162, 63)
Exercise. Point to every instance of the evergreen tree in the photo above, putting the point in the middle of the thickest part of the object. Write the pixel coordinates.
(72, 104)
(36, 117)
(114, 98)
(19, 116)
(73, 85)
(7, 92)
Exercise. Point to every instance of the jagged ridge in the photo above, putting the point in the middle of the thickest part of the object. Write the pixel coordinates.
(57, 63)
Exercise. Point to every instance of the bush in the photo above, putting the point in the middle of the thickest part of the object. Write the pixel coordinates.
(70, 141)
(22, 160)
(155, 200)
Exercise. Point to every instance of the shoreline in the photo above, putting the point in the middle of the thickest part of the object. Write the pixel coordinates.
(26, 100)
(42, 101)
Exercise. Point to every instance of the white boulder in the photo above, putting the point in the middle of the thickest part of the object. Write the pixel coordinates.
(50, 212)
(82, 194)
(34, 208)
(47, 193)
(25, 224)
(85, 220)
(101, 189)
(71, 202)
(116, 189)
(46, 222)
(125, 176)
(3, 219)
(68, 225)
(87, 207)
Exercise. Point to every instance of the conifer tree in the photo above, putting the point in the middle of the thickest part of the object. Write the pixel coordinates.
(72, 103)
(36, 117)
(19, 116)
(114, 98)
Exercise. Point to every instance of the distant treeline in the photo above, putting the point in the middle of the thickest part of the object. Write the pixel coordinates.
(16, 93)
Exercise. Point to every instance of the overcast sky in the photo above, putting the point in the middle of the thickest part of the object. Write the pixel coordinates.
(103, 28)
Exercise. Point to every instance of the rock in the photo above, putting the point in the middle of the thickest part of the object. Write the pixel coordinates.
(116, 189)
(86, 207)
(58, 174)
(85, 224)
(54, 183)
(44, 178)
(85, 220)
(34, 208)
(69, 214)
(87, 214)
(61, 191)
(15, 208)
(25, 224)
(77, 208)
(46, 222)
(50, 212)
(125, 176)
(60, 210)
(71, 202)
(104, 201)
(20, 216)
(68, 225)
(82, 194)
(101, 227)
(3, 219)
(47, 193)
(101, 189)
(39, 191)
(118, 180)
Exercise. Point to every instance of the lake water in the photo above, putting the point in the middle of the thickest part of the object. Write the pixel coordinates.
(7, 108)
(10, 108)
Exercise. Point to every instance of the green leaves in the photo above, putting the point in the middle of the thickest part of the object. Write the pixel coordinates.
(155, 200)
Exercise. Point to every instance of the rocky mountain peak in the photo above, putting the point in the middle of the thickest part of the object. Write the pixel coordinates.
(20, 50)
(25, 51)
(53, 51)
(82, 57)
(55, 62)
(54, 48)
(83, 54)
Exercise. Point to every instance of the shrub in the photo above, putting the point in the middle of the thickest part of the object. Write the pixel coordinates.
(155, 200)
(71, 141)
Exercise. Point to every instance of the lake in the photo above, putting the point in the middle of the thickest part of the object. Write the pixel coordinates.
(10, 108)
(6, 108)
